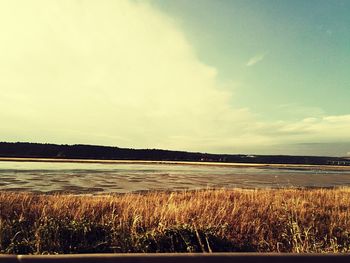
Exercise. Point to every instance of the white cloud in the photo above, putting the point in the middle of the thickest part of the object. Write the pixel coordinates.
(106, 72)
(311, 129)
(256, 59)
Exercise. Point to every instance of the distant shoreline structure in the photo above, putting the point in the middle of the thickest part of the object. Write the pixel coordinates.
(92, 153)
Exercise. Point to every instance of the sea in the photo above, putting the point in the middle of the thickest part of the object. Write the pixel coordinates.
(105, 178)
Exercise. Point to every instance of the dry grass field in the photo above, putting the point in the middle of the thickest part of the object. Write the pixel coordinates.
(279, 220)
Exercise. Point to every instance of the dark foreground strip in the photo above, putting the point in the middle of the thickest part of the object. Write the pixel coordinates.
(182, 258)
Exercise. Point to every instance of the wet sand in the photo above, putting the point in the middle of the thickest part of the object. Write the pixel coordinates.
(293, 166)
(105, 176)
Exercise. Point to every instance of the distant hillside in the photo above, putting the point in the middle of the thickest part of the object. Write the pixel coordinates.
(39, 150)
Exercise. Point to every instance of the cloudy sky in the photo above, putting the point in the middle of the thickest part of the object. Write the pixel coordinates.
(220, 76)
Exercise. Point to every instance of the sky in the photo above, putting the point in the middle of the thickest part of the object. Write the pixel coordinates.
(223, 76)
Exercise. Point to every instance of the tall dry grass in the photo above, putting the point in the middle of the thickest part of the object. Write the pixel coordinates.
(285, 220)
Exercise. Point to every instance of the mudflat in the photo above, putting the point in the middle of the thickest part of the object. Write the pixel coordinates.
(123, 176)
(61, 160)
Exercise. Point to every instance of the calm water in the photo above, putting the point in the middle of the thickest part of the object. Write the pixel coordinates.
(107, 178)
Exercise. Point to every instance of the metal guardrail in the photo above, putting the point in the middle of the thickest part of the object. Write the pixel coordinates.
(182, 258)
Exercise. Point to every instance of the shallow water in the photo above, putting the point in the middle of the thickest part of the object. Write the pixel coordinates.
(122, 178)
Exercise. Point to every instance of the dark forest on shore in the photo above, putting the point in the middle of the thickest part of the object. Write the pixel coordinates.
(78, 151)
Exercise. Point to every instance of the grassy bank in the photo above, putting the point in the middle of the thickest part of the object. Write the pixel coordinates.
(290, 220)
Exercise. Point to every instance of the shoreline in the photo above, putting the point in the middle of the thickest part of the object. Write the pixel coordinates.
(234, 165)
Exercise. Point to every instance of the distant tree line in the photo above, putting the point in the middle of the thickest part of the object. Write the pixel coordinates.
(79, 151)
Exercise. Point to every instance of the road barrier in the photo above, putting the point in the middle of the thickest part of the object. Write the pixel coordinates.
(177, 257)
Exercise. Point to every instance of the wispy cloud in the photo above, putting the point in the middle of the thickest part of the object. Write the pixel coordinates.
(256, 59)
